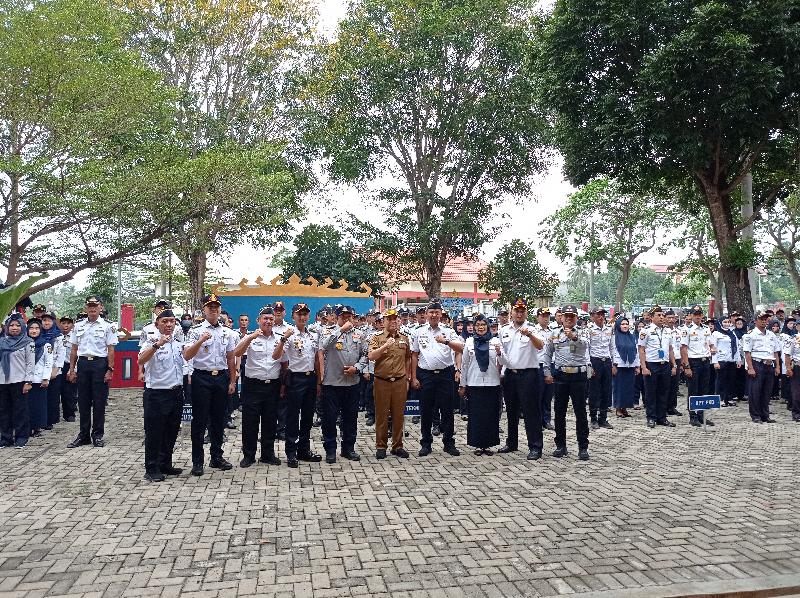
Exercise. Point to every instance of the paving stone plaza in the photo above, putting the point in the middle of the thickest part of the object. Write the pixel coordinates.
(659, 512)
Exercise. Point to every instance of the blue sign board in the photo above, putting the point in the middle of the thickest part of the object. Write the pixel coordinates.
(703, 402)
(412, 407)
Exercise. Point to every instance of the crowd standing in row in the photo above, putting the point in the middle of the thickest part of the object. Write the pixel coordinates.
(281, 375)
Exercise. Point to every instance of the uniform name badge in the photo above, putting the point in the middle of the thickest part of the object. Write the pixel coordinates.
(573, 348)
(661, 354)
(339, 345)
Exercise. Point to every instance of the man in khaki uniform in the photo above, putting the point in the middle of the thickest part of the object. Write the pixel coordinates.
(391, 352)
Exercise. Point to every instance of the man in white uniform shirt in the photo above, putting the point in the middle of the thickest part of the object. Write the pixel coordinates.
(759, 354)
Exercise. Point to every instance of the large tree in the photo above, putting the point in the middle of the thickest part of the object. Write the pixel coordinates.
(515, 272)
(439, 94)
(602, 222)
(83, 123)
(705, 90)
(229, 60)
(780, 228)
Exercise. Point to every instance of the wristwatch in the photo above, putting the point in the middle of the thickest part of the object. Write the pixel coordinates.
(109, 369)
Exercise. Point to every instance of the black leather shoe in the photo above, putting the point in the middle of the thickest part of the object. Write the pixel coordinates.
(79, 441)
(534, 455)
(561, 451)
(505, 449)
(583, 455)
(280, 436)
(424, 451)
(310, 457)
(351, 455)
(197, 470)
(171, 470)
(415, 419)
(757, 421)
(98, 442)
(330, 458)
(595, 425)
(270, 460)
(380, 454)
(221, 464)
(401, 453)
(206, 439)
(769, 421)
(606, 425)
(155, 477)
(666, 423)
(451, 450)
(695, 422)
(50, 426)
(651, 423)
(436, 431)
(69, 419)
(230, 425)
(548, 426)
(370, 421)
(675, 412)
(292, 462)
(317, 423)
(246, 462)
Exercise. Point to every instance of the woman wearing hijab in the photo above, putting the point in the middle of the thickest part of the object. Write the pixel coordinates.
(740, 375)
(42, 369)
(726, 361)
(625, 367)
(480, 382)
(788, 332)
(52, 334)
(775, 327)
(16, 373)
(639, 382)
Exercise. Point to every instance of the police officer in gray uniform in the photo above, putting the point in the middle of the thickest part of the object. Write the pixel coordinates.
(345, 352)
(567, 365)
(162, 360)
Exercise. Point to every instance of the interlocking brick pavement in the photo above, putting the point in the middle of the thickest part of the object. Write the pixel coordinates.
(651, 508)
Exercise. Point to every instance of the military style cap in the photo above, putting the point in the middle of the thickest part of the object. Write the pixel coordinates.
(66, 319)
(163, 303)
(656, 309)
(301, 307)
(378, 316)
(49, 314)
(421, 309)
(389, 313)
(279, 306)
(778, 311)
(569, 309)
(599, 310)
(492, 321)
(82, 316)
(434, 304)
(669, 312)
(167, 313)
(209, 299)
(543, 311)
(39, 307)
(344, 309)
(503, 312)
(93, 300)
(266, 310)
(519, 303)
(796, 311)
(696, 311)
(403, 310)
(762, 314)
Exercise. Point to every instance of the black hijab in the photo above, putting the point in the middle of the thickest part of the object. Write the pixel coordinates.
(482, 343)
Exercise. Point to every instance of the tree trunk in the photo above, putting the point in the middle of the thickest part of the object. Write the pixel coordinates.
(12, 276)
(735, 279)
(794, 274)
(433, 286)
(196, 269)
(719, 292)
(625, 274)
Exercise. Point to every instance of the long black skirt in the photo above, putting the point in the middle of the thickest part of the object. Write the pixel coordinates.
(483, 425)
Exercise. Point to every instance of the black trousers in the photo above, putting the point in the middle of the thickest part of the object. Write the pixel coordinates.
(436, 392)
(521, 390)
(795, 388)
(600, 389)
(15, 422)
(335, 400)
(725, 383)
(571, 386)
(162, 422)
(54, 400)
(656, 390)
(209, 401)
(674, 386)
(301, 397)
(259, 406)
(700, 382)
(366, 400)
(92, 396)
(546, 394)
(740, 383)
(761, 390)
(69, 394)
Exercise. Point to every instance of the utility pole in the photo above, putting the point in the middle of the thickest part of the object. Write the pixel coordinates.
(747, 232)
(119, 291)
(591, 275)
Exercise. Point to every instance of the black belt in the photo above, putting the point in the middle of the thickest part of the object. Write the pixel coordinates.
(520, 370)
(700, 359)
(268, 381)
(303, 373)
(179, 386)
(392, 379)
(602, 358)
(439, 371)
(763, 361)
(212, 372)
(91, 357)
